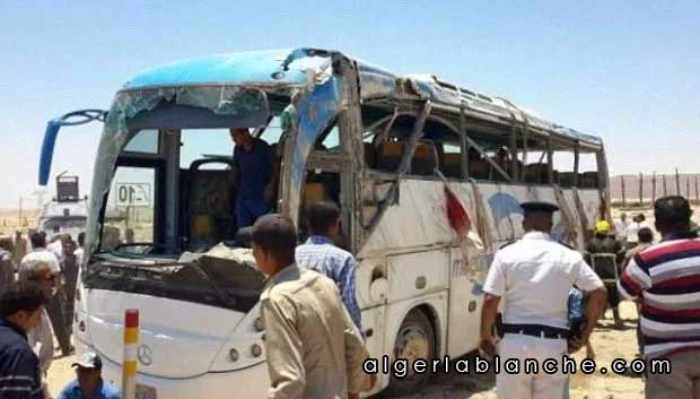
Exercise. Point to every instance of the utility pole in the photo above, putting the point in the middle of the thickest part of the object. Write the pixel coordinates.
(678, 183)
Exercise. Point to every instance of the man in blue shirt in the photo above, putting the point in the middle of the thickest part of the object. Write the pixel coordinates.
(320, 254)
(89, 384)
(252, 176)
(21, 306)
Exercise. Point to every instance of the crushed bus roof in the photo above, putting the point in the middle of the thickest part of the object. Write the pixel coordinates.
(287, 69)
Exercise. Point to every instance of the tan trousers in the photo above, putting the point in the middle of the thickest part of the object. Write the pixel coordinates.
(682, 383)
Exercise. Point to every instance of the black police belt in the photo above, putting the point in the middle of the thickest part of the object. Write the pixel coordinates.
(536, 330)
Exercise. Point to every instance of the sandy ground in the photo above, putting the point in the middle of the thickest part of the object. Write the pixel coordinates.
(60, 373)
(608, 344)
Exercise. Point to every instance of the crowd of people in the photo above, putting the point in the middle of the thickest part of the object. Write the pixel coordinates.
(38, 281)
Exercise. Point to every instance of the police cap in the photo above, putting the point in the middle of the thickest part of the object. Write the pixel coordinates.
(538, 206)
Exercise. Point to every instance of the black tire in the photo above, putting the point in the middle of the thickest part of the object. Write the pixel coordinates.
(414, 340)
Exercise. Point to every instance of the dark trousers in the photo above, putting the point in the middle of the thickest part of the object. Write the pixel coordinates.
(613, 295)
(640, 336)
(70, 271)
(55, 308)
(69, 311)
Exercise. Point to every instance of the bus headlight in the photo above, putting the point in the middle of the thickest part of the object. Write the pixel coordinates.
(259, 325)
(233, 355)
(256, 350)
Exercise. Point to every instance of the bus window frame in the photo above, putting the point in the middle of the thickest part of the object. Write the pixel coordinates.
(576, 147)
(517, 134)
(158, 162)
(158, 166)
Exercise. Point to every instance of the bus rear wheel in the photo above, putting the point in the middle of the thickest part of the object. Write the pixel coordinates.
(415, 340)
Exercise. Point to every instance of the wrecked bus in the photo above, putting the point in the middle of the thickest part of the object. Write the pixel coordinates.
(396, 152)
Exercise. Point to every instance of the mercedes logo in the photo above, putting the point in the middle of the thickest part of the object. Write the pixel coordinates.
(144, 354)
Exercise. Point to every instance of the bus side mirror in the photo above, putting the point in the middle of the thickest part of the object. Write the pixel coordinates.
(47, 148)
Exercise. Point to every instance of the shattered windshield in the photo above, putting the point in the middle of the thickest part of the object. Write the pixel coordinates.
(132, 115)
(222, 277)
(134, 220)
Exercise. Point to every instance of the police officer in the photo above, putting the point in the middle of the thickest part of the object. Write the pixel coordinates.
(533, 276)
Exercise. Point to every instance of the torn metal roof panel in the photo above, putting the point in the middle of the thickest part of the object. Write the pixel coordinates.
(288, 69)
(245, 68)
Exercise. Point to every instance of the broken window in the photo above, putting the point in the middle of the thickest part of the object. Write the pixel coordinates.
(588, 169)
(533, 165)
(488, 159)
(387, 145)
(563, 167)
(330, 140)
(451, 159)
(130, 211)
(145, 141)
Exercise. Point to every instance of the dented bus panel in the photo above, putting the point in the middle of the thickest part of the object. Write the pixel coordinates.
(387, 148)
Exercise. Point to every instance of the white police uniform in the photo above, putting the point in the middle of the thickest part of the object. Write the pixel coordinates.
(533, 277)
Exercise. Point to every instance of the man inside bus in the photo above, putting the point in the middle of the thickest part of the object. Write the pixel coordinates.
(313, 348)
(252, 176)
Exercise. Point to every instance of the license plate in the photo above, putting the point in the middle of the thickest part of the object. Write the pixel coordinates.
(145, 392)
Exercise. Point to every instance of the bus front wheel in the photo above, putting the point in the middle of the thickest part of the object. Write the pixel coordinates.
(415, 340)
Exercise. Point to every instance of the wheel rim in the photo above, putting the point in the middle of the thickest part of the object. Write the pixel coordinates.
(412, 344)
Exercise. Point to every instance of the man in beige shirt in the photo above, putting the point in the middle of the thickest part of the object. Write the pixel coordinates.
(313, 348)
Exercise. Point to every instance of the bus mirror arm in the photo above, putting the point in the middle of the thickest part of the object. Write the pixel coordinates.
(51, 133)
(47, 147)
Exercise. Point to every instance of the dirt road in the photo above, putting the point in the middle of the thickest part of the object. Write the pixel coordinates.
(608, 344)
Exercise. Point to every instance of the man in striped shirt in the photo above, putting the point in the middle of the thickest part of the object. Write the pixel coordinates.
(665, 280)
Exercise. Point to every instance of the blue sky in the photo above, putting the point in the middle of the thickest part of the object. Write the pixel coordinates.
(627, 71)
